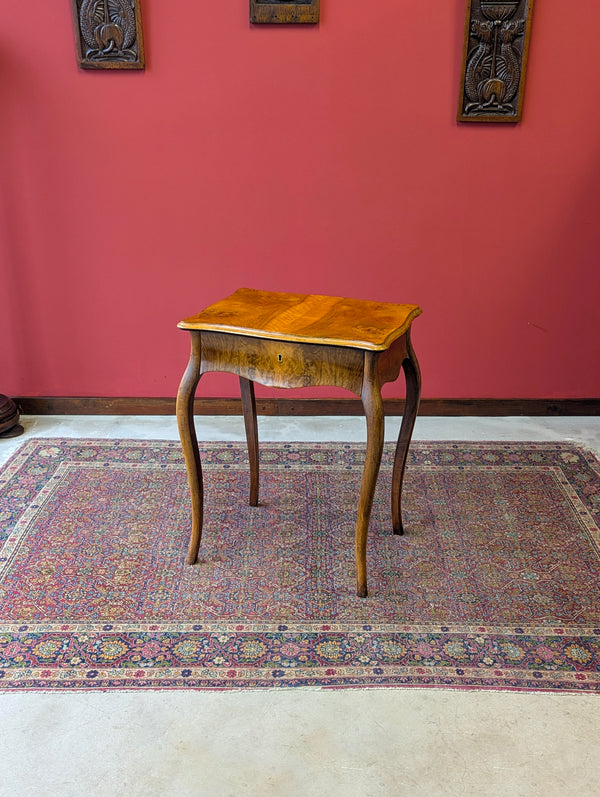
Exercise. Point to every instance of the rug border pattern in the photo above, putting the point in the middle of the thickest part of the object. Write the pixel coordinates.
(343, 656)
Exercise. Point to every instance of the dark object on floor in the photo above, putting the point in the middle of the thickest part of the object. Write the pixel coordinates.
(9, 418)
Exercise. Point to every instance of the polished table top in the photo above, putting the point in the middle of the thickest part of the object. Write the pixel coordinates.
(299, 317)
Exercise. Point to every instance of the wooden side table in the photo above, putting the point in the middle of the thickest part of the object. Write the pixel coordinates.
(300, 340)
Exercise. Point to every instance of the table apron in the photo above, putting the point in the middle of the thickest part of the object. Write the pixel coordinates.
(390, 361)
(282, 363)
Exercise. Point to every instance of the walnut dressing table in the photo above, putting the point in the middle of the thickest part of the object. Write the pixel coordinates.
(298, 340)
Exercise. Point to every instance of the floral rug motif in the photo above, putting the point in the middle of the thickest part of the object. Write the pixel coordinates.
(496, 584)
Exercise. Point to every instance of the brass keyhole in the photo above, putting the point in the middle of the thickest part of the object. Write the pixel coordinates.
(280, 358)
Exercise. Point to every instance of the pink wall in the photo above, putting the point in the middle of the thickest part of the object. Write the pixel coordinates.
(313, 159)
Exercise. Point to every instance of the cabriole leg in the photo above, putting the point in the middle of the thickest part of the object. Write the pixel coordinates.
(412, 374)
(189, 443)
(249, 409)
(371, 399)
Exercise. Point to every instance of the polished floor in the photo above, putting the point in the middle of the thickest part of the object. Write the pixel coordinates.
(301, 742)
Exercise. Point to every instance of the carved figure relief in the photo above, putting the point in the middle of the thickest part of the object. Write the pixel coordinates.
(284, 11)
(494, 60)
(108, 34)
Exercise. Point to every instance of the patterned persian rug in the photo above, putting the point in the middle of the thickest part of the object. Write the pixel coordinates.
(496, 584)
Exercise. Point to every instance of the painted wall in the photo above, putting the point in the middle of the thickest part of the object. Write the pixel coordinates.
(314, 159)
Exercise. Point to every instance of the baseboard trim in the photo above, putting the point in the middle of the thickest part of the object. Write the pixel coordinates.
(66, 405)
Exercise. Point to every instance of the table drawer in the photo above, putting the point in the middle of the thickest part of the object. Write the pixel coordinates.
(282, 363)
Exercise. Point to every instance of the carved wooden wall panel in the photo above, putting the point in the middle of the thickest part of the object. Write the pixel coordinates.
(108, 34)
(496, 45)
(284, 11)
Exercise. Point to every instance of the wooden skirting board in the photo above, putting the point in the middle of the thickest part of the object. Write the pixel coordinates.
(66, 405)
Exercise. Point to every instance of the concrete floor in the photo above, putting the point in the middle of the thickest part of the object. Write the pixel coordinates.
(301, 742)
